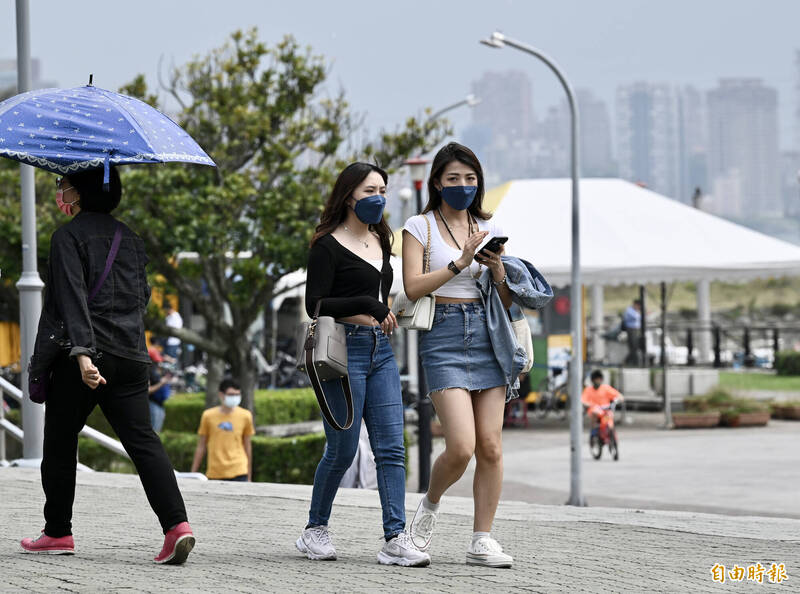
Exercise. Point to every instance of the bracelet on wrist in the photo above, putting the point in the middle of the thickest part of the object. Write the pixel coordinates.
(501, 281)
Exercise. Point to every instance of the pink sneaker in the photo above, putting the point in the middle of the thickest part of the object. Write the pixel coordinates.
(178, 543)
(47, 545)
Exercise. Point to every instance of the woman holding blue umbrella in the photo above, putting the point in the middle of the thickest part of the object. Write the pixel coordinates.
(94, 303)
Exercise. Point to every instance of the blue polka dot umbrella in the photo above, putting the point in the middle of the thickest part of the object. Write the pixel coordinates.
(70, 130)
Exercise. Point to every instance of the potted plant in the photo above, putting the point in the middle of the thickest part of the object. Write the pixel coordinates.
(698, 413)
(746, 412)
(789, 409)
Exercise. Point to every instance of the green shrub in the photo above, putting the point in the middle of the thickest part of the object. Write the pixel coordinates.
(183, 411)
(787, 362)
(718, 399)
(275, 459)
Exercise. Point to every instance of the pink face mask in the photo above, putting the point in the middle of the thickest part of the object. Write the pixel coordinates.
(65, 207)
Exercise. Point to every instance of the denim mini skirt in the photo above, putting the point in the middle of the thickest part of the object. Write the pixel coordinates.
(457, 351)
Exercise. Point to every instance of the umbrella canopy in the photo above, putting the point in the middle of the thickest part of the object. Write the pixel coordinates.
(69, 130)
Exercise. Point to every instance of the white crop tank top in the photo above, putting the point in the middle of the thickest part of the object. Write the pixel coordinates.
(462, 285)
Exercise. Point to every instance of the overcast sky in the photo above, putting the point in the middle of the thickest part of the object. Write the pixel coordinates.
(394, 58)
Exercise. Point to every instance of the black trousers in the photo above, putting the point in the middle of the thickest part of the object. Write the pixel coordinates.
(124, 402)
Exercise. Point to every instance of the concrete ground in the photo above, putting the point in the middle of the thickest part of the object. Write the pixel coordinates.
(246, 536)
(738, 471)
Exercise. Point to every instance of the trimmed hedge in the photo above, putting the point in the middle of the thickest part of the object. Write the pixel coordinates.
(787, 362)
(272, 407)
(275, 459)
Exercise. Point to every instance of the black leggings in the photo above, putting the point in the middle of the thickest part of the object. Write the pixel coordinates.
(124, 402)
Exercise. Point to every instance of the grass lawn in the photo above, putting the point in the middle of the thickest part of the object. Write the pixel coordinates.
(758, 381)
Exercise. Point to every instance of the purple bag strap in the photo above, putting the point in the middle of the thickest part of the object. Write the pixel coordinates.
(112, 255)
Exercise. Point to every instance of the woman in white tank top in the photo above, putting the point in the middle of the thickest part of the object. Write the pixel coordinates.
(464, 379)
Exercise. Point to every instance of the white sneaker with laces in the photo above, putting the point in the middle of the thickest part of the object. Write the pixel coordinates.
(422, 527)
(316, 543)
(401, 551)
(487, 551)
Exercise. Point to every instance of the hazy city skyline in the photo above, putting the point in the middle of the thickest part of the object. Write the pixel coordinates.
(394, 60)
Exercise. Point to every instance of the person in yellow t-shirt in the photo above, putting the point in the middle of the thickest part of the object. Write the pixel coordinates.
(225, 432)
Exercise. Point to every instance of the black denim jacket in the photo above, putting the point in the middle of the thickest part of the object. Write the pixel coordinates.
(113, 323)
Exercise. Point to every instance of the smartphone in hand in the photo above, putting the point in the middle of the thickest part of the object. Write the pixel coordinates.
(493, 245)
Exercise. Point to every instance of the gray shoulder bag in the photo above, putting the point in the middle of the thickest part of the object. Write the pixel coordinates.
(322, 354)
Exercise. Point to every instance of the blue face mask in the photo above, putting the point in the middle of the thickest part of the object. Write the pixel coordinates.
(459, 197)
(369, 210)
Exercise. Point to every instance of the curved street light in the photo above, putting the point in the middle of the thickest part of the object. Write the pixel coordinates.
(470, 101)
(499, 41)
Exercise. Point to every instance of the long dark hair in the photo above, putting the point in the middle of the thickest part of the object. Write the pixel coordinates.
(336, 207)
(454, 151)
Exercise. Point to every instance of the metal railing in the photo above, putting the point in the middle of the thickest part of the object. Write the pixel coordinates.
(7, 387)
(104, 440)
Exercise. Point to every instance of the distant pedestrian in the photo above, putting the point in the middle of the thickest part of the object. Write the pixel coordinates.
(632, 325)
(225, 433)
(103, 361)
(159, 390)
(173, 344)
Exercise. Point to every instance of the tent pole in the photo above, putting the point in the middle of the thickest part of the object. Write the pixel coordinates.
(664, 362)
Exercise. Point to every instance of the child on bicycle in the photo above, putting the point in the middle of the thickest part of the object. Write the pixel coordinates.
(598, 397)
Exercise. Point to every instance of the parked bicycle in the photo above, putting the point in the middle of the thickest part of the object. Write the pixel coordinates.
(552, 394)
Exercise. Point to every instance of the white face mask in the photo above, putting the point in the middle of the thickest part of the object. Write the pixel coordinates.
(232, 401)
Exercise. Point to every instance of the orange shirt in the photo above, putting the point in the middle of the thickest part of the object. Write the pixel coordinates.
(602, 396)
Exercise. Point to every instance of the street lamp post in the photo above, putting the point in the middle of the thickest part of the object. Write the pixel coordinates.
(30, 285)
(498, 40)
(417, 169)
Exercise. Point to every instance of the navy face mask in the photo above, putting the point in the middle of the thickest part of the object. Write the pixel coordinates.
(459, 197)
(369, 210)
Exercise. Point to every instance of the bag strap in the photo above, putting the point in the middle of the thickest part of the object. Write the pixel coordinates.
(317, 385)
(112, 255)
(426, 257)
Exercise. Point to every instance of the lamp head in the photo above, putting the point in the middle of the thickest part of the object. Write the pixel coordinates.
(472, 100)
(405, 194)
(497, 40)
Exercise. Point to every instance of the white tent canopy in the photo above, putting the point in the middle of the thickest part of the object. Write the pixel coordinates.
(631, 235)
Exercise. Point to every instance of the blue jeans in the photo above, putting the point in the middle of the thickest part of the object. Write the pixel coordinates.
(157, 415)
(375, 384)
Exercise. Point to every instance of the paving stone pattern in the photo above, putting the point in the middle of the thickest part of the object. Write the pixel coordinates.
(246, 535)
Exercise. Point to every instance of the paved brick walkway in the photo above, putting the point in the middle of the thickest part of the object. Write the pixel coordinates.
(246, 536)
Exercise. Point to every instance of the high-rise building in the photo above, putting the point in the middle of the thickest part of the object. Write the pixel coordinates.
(595, 139)
(743, 150)
(502, 125)
(8, 76)
(797, 100)
(506, 103)
(648, 136)
(692, 143)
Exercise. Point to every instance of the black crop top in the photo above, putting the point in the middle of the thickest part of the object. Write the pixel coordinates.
(346, 283)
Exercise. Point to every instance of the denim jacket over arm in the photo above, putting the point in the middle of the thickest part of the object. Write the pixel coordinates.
(113, 322)
(528, 289)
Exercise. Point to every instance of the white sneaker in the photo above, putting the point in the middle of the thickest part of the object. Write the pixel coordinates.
(487, 551)
(401, 551)
(316, 543)
(422, 526)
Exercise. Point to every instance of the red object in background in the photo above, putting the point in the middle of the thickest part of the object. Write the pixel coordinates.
(561, 305)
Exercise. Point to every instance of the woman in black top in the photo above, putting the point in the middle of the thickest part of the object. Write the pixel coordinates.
(349, 277)
(103, 360)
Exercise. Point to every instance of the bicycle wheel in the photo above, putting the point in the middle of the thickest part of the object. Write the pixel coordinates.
(560, 405)
(612, 444)
(595, 445)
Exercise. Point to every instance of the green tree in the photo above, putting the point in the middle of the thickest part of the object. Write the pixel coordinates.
(279, 142)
